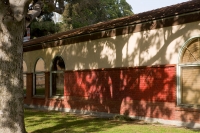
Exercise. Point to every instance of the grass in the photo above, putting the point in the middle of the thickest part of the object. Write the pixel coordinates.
(60, 122)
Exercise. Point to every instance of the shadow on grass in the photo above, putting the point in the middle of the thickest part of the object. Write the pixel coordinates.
(61, 122)
(46, 122)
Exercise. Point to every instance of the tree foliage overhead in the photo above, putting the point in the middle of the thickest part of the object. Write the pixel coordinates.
(43, 10)
(38, 8)
(79, 13)
(43, 26)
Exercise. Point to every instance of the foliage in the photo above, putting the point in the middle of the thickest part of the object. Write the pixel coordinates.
(54, 122)
(43, 26)
(123, 117)
(81, 13)
(48, 8)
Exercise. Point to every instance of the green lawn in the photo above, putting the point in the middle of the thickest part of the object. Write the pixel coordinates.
(60, 122)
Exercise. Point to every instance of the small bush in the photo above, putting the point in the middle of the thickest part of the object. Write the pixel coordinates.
(123, 118)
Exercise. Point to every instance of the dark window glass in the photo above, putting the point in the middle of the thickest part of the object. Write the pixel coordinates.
(58, 76)
(39, 84)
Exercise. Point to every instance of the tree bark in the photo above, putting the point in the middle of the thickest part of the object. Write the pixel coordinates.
(12, 24)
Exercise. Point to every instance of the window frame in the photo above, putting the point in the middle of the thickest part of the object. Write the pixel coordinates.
(25, 73)
(51, 77)
(179, 73)
(34, 78)
(51, 83)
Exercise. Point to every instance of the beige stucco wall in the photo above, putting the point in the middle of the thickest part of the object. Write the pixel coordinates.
(152, 47)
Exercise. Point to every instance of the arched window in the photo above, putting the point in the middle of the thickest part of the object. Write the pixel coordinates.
(39, 78)
(57, 76)
(24, 77)
(189, 73)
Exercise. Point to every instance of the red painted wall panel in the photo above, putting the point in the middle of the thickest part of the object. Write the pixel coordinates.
(147, 83)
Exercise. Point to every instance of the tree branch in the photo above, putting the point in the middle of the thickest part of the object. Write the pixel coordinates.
(34, 12)
(38, 6)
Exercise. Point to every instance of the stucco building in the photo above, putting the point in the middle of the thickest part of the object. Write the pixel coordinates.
(146, 66)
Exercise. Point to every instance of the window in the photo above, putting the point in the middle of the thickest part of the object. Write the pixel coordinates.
(189, 73)
(39, 78)
(24, 77)
(57, 77)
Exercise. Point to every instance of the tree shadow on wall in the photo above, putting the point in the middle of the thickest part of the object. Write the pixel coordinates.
(148, 92)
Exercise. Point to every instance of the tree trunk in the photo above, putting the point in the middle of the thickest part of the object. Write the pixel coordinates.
(11, 58)
(12, 25)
